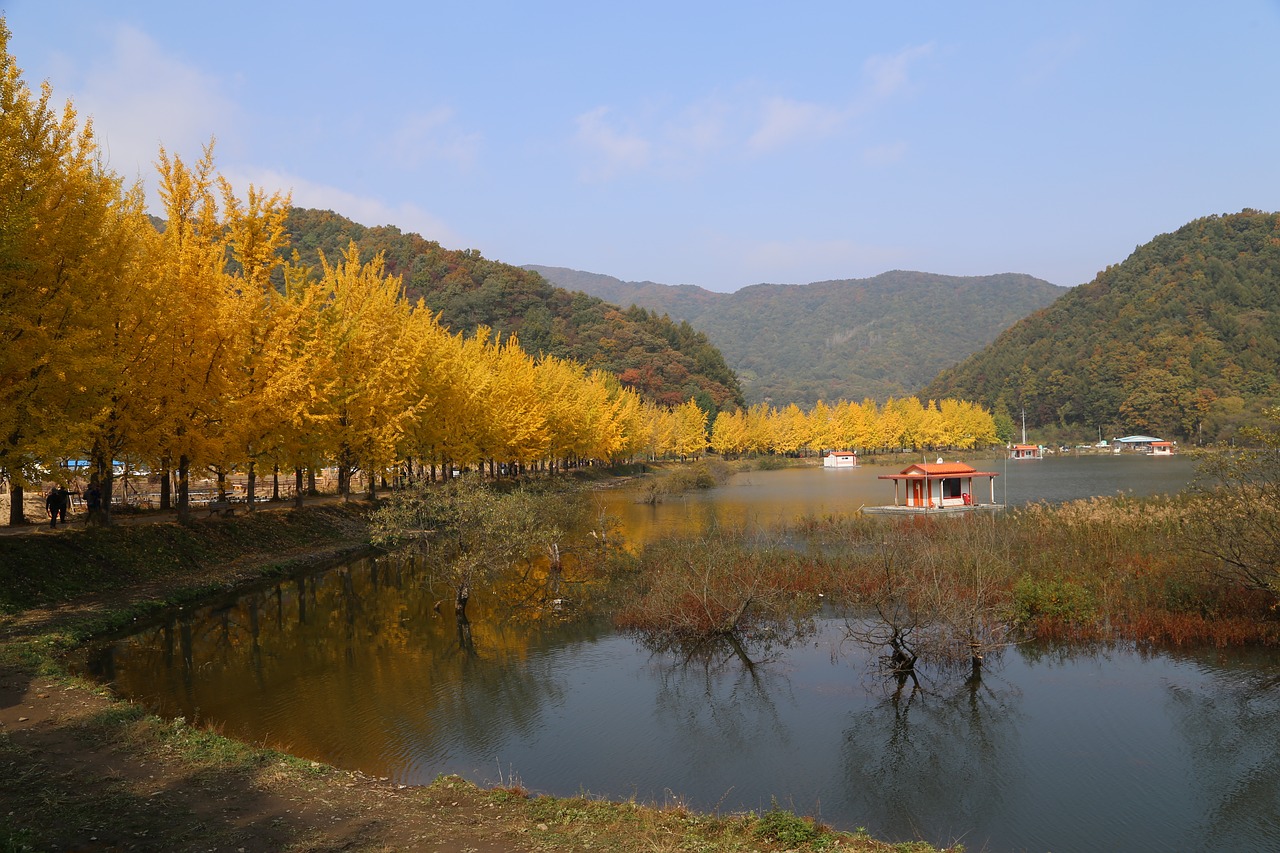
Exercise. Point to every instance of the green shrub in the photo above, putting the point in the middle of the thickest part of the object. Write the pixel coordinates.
(783, 827)
(1056, 598)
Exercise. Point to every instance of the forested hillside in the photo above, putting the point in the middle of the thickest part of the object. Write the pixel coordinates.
(667, 362)
(1181, 340)
(878, 337)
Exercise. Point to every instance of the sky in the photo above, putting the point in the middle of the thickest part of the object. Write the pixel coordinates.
(720, 144)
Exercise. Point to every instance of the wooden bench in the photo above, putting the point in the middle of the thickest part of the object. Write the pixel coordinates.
(222, 508)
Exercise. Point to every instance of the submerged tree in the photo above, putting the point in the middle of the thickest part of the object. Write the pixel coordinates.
(895, 623)
(937, 600)
(724, 591)
(479, 531)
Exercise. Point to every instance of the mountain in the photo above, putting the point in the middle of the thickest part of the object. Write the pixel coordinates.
(876, 337)
(666, 361)
(1181, 340)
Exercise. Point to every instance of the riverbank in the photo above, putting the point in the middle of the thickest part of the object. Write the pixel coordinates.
(85, 771)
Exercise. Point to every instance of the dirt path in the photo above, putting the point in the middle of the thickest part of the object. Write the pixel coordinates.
(82, 771)
(98, 778)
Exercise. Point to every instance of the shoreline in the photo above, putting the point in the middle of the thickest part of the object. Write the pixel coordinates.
(88, 771)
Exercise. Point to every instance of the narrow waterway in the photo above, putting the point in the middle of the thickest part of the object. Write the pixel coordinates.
(1104, 749)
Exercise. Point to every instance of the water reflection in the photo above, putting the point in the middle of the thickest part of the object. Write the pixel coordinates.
(356, 666)
(366, 667)
(1229, 724)
(709, 705)
(935, 764)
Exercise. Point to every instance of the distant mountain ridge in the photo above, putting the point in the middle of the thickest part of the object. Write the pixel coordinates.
(667, 362)
(847, 339)
(1181, 340)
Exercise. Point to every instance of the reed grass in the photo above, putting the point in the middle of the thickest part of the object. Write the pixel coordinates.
(1099, 569)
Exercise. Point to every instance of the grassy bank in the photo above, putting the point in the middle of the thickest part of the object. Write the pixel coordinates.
(87, 771)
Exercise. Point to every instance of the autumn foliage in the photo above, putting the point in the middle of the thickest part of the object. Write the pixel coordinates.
(206, 346)
(195, 347)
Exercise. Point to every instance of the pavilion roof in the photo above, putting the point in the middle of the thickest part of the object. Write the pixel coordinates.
(937, 470)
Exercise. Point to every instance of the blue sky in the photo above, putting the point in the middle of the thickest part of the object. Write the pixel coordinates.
(717, 144)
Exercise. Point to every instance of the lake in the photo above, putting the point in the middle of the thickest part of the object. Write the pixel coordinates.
(766, 497)
(1112, 748)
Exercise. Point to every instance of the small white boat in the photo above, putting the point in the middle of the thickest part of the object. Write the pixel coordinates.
(840, 459)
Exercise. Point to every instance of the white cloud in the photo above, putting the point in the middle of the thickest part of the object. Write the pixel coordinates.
(785, 121)
(362, 209)
(701, 128)
(611, 151)
(746, 123)
(433, 136)
(885, 155)
(141, 98)
(888, 74)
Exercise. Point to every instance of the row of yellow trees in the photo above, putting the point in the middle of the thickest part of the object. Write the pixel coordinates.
(194, 347)
(177, 347)
(900, 423)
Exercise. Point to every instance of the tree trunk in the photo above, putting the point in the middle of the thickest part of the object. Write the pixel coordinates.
(184, 489)
(975, 661)
(251, 485)
(16, 497)
(311, 482)
(275, 482)
(166, 485)
(344, 472)
(555, 571)
(106, 481)
(465, 640)
(297, 487)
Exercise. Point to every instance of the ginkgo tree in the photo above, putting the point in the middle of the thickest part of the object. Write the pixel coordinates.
(905, 422)
(262, 362)
(205, 345)
(66, 240)
(368, 361)
(516, 430)
(195, 348)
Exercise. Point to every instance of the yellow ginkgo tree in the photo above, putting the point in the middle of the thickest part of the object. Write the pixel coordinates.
(66, 231)
(369, 365)
(263, 327)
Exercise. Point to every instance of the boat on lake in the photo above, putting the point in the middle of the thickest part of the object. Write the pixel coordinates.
(840, 459)
(1026, 451)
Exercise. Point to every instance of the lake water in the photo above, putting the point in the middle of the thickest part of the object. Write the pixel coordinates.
(1111, 749)
(766, 497)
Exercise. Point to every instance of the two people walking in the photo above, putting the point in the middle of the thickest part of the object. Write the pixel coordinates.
(57, 502)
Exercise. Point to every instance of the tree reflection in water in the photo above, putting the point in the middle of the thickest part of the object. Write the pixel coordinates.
(357, 667)
(939, 758)
(1229, 723)
(720, 697)
(354, 665)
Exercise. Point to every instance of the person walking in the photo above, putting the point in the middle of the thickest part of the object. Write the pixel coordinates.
(51, 505)
(93, 500)
(64, 502)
